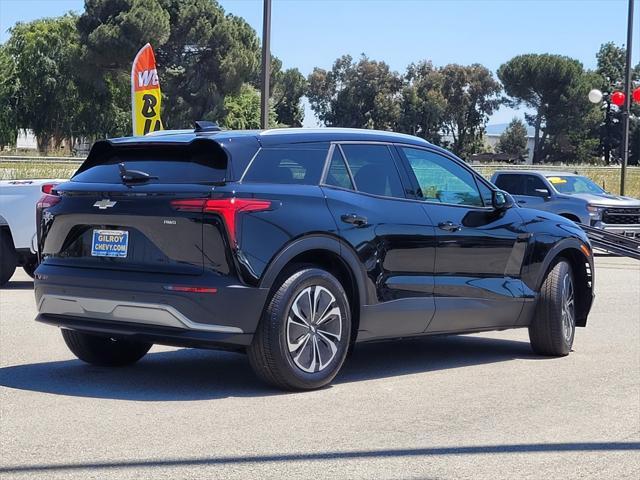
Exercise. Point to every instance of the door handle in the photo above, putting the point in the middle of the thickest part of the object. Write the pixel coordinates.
(357, 220)
(449, 226)
(522, 202)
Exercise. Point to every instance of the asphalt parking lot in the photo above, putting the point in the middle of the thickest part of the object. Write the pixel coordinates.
(475, 406)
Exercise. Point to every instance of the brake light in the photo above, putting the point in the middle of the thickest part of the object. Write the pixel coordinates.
(49, 198)
(227, 208)
(47, 188)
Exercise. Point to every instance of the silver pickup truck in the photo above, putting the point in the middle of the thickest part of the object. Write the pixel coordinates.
(572, 196)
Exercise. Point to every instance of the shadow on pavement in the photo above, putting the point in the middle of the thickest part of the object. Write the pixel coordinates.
(189, 374)
(18, 285)
(333, 456)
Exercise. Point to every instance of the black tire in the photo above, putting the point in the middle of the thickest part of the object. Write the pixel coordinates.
(270, 352)
(552, 331)
(8, 257)
(104, 351)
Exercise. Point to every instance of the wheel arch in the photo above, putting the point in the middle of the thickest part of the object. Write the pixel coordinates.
(583, 274)
(571, 216)
(330, 254)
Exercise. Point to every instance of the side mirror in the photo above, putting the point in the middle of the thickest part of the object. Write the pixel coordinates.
(501, 200)
(543, 192)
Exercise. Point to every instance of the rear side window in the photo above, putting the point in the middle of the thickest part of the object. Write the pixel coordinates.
(195, 163)
(338, 174)
(512, 184)
(288, 165)
(374, 170)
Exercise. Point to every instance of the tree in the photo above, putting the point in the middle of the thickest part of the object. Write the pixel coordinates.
(112, 31)
(203, 55)
(552, 86)
(362, 94)
(44, 53)
(472, 95)
(242, 111)
(611, 63)
(8, 99)
(611, 60)
(288, 88)
(514, 139)
(422, 102)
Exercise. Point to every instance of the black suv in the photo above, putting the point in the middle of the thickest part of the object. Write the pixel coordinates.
(294, 244)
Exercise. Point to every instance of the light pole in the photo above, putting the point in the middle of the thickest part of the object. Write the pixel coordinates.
(626, 109)
(609, 97)
(266, 64)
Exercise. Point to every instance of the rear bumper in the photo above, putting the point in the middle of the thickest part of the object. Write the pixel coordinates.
(136, 303)
(150, 333)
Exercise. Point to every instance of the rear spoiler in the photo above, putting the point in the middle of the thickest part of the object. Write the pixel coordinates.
(204, 149)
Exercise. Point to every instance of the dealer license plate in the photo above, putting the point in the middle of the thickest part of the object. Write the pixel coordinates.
(109, 243)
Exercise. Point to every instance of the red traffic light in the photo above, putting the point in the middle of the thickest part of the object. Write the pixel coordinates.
(617, 98)
(636, 95)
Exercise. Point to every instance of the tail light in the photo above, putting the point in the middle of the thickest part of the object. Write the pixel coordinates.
(49, 197)
(227, 208)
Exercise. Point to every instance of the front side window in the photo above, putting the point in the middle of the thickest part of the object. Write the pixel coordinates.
(374, 170)
(288, 165)
(534, 186)
(441, 179)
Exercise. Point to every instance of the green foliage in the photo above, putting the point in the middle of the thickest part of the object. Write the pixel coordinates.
(362, 94)
(242, 111)
(556, 88)
(8, 99)
(44, 54)
(113, 31)
(429, 102)
(288, 87)
(611, 63)
(422, 102)
(514, 139)
(202, 55)
(472, 95)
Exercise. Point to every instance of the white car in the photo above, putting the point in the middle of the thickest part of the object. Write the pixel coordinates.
(18, 240)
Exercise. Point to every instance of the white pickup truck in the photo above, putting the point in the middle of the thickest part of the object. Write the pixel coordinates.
(18, 242)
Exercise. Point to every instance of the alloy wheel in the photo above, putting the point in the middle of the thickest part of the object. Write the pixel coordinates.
(314, 329)
(568, 309)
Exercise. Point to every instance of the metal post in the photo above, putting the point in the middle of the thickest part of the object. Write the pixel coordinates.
(626, 109)
(266, 64)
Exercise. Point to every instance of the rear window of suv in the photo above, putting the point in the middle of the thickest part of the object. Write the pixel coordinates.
(293, 164)
(169, 163)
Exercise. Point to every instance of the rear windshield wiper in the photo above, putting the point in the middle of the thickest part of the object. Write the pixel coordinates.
(133, 176)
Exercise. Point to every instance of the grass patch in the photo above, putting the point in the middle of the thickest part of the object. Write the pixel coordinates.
(34, 170)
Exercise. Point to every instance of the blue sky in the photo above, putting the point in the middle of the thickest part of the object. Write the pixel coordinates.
(309, 33)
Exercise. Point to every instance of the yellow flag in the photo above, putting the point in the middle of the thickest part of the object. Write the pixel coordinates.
(145, 93)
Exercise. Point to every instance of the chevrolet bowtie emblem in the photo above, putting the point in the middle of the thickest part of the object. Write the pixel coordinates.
(104, 204)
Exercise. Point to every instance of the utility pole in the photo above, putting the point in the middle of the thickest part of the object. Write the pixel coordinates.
(626, 109)
(266, 64)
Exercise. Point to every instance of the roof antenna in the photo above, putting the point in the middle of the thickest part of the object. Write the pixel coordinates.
(206, 126)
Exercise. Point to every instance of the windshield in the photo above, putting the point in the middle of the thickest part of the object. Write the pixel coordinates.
(574, 184)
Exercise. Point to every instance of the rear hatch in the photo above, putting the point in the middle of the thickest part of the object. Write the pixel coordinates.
(117, 212)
